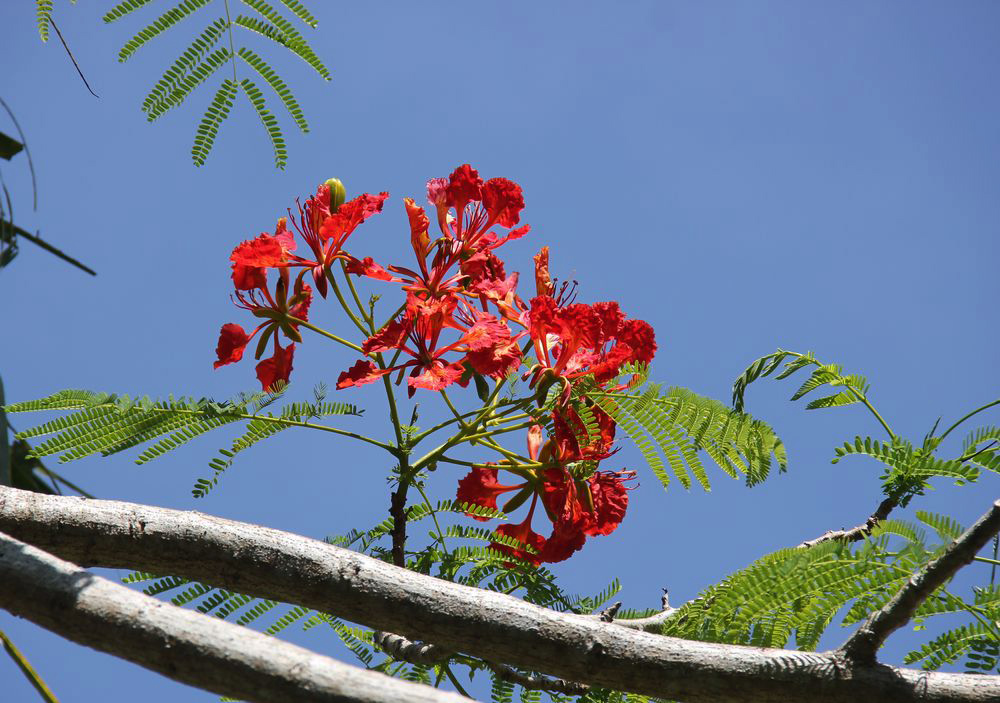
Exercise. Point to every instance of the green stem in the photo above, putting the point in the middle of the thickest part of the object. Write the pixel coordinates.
(966, 417)
(29, 672)
(357, 299)
(343, 303)
(393, 409)
(232, 47)
(987, 560)
(323, 332)
(978, 614)
(290, 423)
(441, 425)
(454, 681)
(454, 411)
(502, 430)
(440, 532)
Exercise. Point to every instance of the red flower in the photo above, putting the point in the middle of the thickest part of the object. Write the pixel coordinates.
(576, 339)
(232, 341)
(503, 200)
(358, 375)
(277, 368)
(277, 313)
(523, 533)
(252, 258)
(610, 498)
(480, 487)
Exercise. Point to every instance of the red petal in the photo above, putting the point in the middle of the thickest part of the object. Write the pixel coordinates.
(437, 376)
(418, 227)
(480, 487)
(503, 201)
(249, 277)
(522, 533)
(232, 341)
(388, 338)
(487, 331)
(368, 267)
(264, 251)
(562, 544)
(640, 337)
(543, 281)
(610, 498)
(496, 361)
(464, 185)
(277, 368)
(361, 373)
(351, 214)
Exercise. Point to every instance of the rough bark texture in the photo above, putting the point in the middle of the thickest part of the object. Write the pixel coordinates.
(493, 626)
(181, 644)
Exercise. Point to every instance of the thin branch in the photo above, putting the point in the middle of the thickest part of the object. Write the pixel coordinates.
(414, 652)
(864, 643)
(52, 21)
(28, 670)
(859, 532)
(47, 247)
(27, 152)
(537, 682)
(268, 563)
(181, 644)
(419, 653)
(652, 623)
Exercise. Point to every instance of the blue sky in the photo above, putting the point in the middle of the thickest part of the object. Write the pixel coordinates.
(742, 176)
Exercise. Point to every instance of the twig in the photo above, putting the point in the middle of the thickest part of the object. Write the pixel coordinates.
(861, 647)
(537, 682)
(652, 623)
(72, 58)
(858, 533)
(48, 247)
(27, 152)
(399, 647)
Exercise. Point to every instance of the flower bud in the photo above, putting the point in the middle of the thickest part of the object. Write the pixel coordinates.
(338, 194)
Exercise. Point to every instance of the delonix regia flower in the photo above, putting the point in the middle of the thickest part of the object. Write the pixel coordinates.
(460, 319)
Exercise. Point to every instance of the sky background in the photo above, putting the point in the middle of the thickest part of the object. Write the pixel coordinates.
(743, 176)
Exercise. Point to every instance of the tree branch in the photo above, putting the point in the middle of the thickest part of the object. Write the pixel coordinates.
(858, 533)
(650, 623)
(864, 643)
(181, 644)
(492, 626)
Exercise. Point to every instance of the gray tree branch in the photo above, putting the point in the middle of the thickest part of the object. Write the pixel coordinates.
(864, 643)
(183, 645)
(492, 626)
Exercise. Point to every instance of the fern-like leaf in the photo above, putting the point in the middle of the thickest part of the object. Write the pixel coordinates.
(176, 84)
(292, 38)
(208, 129)
(672, 426)
(43, 17)
(268, 120)
(123, 8)
(300, 11)
(278, 85)
(162, 23)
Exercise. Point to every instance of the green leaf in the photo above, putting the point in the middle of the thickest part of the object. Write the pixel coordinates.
(43, 18)
(208, 129)
(165, 21)
(267, 119)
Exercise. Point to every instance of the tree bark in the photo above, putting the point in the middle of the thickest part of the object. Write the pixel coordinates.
(181, 644)
(273, 564)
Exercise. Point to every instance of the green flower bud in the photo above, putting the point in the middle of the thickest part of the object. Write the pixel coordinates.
(338, 194)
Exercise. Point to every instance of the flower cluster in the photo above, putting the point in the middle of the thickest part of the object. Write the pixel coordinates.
(462, 319)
